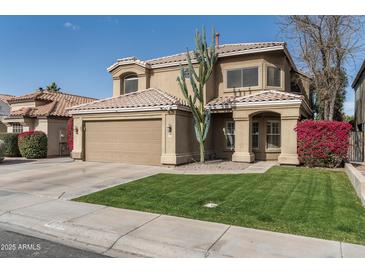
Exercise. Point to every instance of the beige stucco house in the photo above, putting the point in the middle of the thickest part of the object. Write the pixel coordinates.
(256, 96)
(43, 111)
(4, 110)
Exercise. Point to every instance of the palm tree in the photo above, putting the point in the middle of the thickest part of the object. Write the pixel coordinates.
(53, 87)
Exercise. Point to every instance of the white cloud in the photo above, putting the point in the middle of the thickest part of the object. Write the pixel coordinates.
(71, 26)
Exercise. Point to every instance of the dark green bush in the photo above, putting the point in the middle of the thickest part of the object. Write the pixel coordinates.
(11, 144)
(33, 144)
(2, 150)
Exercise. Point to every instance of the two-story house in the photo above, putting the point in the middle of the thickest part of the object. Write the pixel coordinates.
(256, 96)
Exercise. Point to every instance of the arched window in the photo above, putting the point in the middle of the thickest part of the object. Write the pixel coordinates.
(130, 83)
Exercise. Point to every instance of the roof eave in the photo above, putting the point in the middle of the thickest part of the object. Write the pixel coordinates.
(358, 75)
(131, 109)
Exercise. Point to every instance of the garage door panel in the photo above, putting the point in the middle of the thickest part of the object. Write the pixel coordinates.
(134, 142)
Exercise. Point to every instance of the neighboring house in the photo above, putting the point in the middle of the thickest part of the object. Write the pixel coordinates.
(44, 111)
(359, 86)
(256, 96)
(4, 110)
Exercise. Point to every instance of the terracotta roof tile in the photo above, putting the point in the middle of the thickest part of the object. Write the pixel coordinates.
(6, 97)
(145, 98)
(264, 96)
(221, 50)
(56, 104)
(158, 98)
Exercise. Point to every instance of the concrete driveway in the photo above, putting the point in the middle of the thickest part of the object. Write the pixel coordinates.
(64, 178)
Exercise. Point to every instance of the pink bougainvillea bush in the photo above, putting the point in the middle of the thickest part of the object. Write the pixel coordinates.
(323, 143)
(70, 134)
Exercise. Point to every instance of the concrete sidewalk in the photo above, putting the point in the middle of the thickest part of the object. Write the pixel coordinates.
(116, 232)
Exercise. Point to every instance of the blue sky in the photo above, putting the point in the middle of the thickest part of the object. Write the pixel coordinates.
(74, 51)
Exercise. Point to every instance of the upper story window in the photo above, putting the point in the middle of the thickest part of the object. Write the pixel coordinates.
(130, 83)
(186, 73)
(273, 77)
(244, 77)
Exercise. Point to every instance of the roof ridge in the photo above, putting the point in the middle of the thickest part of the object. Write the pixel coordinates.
(110, 98)
(220, 46)
(171, 97)
(166, 56)
(66, 93)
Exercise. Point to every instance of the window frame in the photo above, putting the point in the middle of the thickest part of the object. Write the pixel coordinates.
(242, 87)
(129, 77)
(269, 134)
(255, 134)
(228, 133)
(17, 128)
(280, 76)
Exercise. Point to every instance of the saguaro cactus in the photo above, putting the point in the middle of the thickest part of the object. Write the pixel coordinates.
(205, 57)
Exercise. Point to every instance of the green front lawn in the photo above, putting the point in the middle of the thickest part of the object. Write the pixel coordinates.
(312, 202)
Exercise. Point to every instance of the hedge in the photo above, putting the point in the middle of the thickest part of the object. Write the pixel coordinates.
(2, 150)
(11, 144)
(33, 144)
(323, 143)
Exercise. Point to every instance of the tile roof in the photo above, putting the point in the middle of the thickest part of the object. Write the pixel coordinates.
(6, 97)
(56, 104)
(264, 96)
(140, 99)
(221, 50)
(151, 98)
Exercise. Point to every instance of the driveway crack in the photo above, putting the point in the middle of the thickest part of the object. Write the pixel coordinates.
(220, 237)
(125, 234)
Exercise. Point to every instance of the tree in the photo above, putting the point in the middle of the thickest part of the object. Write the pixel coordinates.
(205, 57)
(53, 87)
(324, 44)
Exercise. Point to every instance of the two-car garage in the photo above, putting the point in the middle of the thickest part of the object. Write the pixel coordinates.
(123, 141)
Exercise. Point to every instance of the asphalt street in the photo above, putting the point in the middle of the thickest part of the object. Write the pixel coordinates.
(15, 245)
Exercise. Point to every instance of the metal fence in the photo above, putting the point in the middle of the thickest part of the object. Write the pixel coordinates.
(356, 148)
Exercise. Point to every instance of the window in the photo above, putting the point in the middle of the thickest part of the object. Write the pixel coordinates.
(230, 135)
(255, 134)
(130, 83)
(186, 73)
(245, 77)
(273, 77)
(17, 128)
(273, 134)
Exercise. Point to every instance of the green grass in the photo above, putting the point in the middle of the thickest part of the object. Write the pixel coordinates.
(311, 202)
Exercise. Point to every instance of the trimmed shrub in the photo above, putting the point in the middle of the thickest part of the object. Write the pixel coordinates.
(11, 144)
(70, 134)
(2, 150)
(33, 144)
(323, 143)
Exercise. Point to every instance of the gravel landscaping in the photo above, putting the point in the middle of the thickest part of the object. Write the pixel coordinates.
(211, 167)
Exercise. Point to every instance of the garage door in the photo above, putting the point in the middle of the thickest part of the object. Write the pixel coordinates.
(133, 142)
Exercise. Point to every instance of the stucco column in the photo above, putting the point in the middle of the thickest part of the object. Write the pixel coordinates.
(116, 86)
(77, 152)
(243, 149)
(168, 155)
(289, 153)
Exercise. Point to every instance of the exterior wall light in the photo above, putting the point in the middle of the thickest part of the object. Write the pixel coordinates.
(169, 129)
(76, 130)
